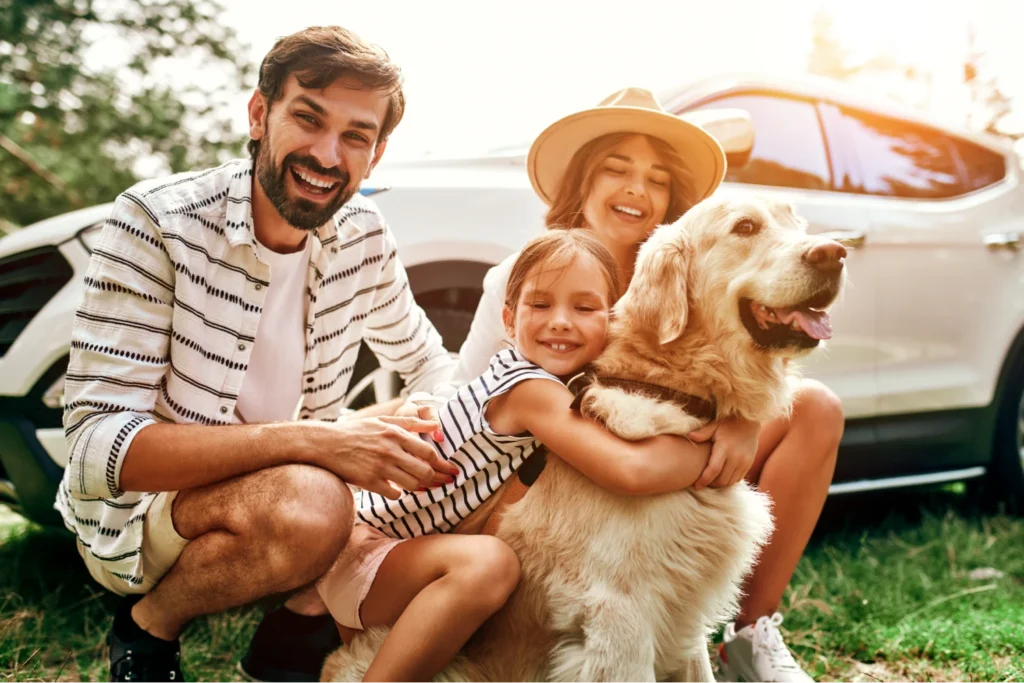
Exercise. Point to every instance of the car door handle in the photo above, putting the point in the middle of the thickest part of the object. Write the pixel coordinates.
(1003, 240)
(847, 238)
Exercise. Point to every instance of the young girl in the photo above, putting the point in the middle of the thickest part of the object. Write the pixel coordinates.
(437, 589)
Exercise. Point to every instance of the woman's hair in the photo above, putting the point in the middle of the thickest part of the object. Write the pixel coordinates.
(567, 209)
(560, 246)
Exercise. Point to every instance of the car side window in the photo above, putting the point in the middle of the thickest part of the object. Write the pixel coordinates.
(789, 150)
(983, 166)
(900, 159)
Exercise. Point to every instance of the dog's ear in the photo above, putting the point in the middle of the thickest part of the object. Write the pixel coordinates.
(657, 296)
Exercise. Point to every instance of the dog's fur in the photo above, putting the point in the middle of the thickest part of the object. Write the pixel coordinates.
(628, 588)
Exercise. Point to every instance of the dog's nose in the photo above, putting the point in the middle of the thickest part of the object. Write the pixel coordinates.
(826, 256)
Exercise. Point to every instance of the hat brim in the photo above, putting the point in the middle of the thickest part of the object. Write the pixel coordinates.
(554, 148)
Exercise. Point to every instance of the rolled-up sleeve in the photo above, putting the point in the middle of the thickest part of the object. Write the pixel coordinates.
(119, 347)
(399, 333)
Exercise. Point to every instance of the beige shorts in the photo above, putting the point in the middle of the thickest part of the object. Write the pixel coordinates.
(161, 546)
(345, 585)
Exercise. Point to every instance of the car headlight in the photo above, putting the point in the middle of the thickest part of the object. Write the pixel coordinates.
(54, 396)
(90, 237)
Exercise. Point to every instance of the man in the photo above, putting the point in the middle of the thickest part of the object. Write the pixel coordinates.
(216, 304)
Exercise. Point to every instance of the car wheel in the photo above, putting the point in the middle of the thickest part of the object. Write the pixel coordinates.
(1007, 475)
(372, 384)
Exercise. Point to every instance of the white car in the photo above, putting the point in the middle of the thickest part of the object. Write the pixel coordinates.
(928, 348)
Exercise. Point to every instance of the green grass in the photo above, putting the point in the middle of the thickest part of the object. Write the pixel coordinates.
(883, 593)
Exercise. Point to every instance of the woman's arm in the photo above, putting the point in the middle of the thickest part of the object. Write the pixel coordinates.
(657, 465)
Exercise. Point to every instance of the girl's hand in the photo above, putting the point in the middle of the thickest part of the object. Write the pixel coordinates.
(423, 406)
(734, 445)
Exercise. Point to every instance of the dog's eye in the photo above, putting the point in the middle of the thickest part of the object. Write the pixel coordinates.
(745, 227)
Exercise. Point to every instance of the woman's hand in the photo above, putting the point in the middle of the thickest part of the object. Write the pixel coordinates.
(734, 445)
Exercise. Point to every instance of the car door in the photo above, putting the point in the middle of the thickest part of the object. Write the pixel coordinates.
(791, 162)
(943, 295)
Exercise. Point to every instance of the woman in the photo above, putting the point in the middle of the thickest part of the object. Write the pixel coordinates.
(620, 170)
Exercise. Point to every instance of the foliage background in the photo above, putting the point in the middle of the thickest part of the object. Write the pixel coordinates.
(74, 133)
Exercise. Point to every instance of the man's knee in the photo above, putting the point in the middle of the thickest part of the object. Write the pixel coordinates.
(303, 512)
(818, 410)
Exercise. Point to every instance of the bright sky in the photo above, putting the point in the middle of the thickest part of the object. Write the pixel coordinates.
(484, 74)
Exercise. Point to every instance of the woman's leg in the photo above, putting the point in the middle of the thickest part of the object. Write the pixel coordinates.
(437, 591)
(795, 460)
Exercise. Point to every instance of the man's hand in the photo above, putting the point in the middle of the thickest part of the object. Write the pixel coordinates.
(734, 445)
(378, 453)
(426, 411)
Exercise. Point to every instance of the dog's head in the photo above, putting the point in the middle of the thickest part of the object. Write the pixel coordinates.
(748, 267)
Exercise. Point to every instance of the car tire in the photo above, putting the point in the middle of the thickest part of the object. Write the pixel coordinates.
(371, 385)
(1006, 476)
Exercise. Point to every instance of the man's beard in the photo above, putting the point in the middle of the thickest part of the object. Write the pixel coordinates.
(299, 212)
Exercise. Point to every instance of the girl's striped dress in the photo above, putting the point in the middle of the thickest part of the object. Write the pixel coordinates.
(485, 459)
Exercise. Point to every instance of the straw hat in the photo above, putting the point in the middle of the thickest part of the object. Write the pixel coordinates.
(630, 110)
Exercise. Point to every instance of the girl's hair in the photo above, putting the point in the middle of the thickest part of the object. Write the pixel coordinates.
(567, 209)
(560, 246)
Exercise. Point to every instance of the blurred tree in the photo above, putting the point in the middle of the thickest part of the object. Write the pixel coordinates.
(990, 106)
(828, 57)
(88, 92)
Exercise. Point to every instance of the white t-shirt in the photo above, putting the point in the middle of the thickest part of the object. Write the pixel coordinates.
(272, 385)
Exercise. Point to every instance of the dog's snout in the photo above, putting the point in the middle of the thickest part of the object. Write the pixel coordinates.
(826, 257)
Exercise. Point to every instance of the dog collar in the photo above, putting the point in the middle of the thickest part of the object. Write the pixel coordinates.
(693, 405)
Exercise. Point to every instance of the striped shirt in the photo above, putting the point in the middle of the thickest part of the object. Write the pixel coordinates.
(173, 296)
(485, 458)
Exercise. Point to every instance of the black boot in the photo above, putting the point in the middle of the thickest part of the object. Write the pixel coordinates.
(289, 647)
(138, 656)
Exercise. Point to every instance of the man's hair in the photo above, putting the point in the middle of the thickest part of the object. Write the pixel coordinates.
(320, 55)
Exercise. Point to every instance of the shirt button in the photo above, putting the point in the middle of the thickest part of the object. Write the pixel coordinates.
(258, 286)
(241, 347)
(223, 409)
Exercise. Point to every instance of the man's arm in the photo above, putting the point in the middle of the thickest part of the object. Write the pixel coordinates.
(369, 453)
(119, 348)
(119, 357)
(398, 331)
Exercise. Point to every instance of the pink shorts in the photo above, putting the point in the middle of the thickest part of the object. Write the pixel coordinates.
(345, 585)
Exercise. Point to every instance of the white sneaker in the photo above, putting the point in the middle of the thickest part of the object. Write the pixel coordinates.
(758, 653)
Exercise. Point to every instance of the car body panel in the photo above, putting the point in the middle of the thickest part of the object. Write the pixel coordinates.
(922, 334)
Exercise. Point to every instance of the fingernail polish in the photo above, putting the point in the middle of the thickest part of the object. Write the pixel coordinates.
(438, 435)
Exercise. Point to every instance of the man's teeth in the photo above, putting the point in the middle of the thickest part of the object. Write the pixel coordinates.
(630, 211)
(313, 181)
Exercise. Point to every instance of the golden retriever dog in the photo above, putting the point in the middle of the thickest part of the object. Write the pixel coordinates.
(618, 588)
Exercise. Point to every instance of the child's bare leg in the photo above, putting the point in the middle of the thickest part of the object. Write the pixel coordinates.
(437, 591)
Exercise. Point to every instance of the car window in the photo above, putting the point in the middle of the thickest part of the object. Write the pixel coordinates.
(900, 159)
(983, 166)
(788, 147)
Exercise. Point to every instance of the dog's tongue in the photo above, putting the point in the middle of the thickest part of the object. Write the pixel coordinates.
(815, 324)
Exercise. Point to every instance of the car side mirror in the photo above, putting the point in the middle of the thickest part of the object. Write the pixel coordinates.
(733, 129)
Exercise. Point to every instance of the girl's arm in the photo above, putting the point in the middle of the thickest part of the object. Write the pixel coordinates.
(656, 465)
